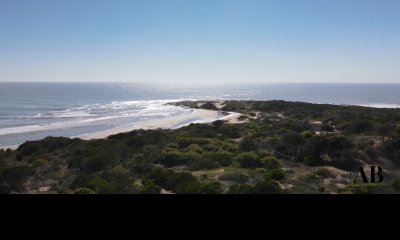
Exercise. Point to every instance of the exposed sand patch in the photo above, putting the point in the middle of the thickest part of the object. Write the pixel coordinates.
(219, 104)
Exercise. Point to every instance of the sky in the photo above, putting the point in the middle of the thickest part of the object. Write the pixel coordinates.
(200, 41)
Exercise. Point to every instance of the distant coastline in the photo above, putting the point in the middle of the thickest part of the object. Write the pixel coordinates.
(33, 111)
(198, 115)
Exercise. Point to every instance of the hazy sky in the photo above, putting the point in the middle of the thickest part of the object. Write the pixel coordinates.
(200, 40)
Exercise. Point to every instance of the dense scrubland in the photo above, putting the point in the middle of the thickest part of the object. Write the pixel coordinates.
(275, 147)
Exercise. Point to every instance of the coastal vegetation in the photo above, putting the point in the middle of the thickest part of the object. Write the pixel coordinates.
(274, 147)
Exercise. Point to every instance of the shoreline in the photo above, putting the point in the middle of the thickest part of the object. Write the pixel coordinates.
(197, 116)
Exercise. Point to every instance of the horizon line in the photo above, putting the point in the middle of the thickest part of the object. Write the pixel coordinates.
(208, 83)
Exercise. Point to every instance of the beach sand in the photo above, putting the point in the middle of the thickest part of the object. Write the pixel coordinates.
(197, 116)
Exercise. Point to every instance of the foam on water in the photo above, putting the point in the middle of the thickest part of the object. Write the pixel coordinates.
(90, 114)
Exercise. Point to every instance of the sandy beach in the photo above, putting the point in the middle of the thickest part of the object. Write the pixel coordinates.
(197, 116)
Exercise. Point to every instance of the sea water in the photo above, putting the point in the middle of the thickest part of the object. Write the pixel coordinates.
(32, 111)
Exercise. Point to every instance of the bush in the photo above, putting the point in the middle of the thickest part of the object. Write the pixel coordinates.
(203, 163)
(247, 144)
(327, 128)
(229, 131)
(139, 164)
(396, 185)
(172, 157)
(209, 106)
(267, 187)
(149, 187)
(324, 172)
(195, 148)
(39, 163)
(270, 162)
(276, 174)
(360, 126)
(83, 191)
(100, 185)
(95, 163)
(221, 157)
(240, 189)
(12, 178)
(212, 187)
(236, 177)
(248, 160)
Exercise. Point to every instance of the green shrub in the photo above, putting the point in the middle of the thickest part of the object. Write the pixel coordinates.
(248, 160)
(396, 185)
(100, 185)
(247, 144)
(212, 187)
(83, 191)
(270, 162)
(203, 163)
(267, 187)
(324, 172)
(276, 174)
(195, 148)
(12, 178)
(149, 187)
(222, 157)
(240, 189)
(172, 157)
(39, 163)
(306, 134)
(236, 177)
(209, 106)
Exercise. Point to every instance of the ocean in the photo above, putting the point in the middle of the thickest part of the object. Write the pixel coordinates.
(32, 111)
